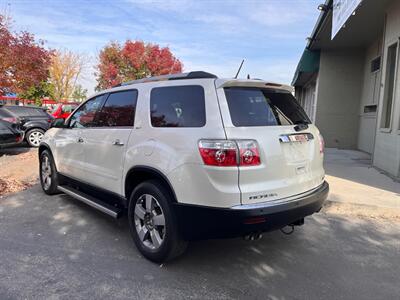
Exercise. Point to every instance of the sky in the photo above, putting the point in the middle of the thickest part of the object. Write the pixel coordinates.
(207, 35)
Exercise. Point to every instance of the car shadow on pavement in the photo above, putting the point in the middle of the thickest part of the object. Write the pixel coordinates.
(15, 150)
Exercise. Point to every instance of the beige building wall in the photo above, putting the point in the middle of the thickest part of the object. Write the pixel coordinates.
(387, 144)
(339, 92)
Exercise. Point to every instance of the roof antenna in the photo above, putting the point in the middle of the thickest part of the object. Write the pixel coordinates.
(240, 67)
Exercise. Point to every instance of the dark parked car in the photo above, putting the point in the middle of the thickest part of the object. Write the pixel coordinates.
(34, 121)
(10, 134)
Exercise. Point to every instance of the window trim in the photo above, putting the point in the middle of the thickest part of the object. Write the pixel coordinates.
(389, 129)
(380, 64)
(180, 85)
(104, 102)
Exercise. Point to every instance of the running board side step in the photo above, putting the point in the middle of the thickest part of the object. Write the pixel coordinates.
(89, 200)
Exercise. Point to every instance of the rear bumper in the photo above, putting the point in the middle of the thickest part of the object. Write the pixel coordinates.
(17, 139)
(200, 222)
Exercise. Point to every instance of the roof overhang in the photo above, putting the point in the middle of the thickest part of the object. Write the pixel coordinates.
(363, 27)
(307, 67)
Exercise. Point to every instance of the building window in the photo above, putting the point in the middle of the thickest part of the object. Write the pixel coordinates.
(369, 109)
(390, 77)
(376, 64)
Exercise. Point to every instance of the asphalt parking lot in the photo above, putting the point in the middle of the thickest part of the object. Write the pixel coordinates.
(58, 248)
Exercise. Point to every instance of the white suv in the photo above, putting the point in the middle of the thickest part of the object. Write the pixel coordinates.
(189, 156)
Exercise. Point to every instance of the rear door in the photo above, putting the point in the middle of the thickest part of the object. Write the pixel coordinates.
(291, 162)
(105, 143)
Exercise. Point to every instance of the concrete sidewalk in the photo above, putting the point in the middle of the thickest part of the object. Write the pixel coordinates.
(352, 180)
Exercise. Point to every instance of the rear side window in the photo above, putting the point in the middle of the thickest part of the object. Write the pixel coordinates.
(119, 109)
(263, 107)
(178, 106)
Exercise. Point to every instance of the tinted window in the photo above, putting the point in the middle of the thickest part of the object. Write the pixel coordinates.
(22, 111)
(3, 126)
(262, 107)
(119, 109)
(178, 106)
(85, 116)
(4, 113)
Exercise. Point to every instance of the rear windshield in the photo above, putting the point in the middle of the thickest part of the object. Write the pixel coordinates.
(263, 107)
(5, 113)
(25, 111)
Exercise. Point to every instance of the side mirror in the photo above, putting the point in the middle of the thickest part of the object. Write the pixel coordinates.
(58, 123)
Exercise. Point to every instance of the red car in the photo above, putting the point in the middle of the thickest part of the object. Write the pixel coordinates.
(63, 110)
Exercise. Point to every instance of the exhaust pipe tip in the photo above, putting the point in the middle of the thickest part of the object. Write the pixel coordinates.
(254, 236)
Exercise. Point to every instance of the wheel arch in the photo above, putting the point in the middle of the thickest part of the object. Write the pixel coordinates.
(34, 126)
(139, 174)
(42, 147)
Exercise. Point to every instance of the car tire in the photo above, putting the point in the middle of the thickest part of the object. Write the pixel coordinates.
(48, 173)
(153, 223)
(34, 137)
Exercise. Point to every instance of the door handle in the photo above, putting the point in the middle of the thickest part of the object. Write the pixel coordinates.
(80, 140)
(117, 143)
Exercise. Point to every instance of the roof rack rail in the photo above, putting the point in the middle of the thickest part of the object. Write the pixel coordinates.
(178, 76)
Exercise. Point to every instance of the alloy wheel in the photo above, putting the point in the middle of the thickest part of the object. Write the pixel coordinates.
(46, 172)
(149, 221)
(35, 138)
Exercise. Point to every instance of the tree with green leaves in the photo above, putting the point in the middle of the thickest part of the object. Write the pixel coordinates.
(79, 94)
(38, 92)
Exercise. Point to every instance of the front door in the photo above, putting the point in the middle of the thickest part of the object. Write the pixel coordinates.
(106, 143)
(69, 152)
(70, 156)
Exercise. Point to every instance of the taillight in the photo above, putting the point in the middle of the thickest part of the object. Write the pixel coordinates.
(249, 155)
(229, 153)
(11, 120)
(218, 153)
(321, 144)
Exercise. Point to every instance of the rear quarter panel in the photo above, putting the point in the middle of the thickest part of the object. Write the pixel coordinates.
(280, 174)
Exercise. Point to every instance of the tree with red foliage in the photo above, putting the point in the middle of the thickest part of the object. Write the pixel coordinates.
(24, 63)
(134, 60)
